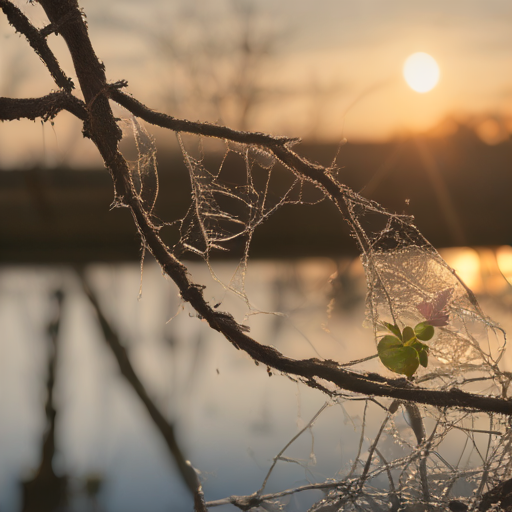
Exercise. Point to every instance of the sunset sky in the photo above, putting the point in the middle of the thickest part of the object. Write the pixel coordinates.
(332, 69)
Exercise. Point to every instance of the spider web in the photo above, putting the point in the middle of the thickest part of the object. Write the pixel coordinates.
(401, 472)
(403, 270)
(225, 213)
(143, 171)
(144, 175)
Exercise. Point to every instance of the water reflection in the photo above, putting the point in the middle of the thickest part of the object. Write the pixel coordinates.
(230, 418)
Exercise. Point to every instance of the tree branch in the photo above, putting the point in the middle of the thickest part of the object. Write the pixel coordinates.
(309, 369)
(138, 109)
(254, 500)
(104, 132)
(37, 41)
(46, 107)
(280, 146)
(166, 429)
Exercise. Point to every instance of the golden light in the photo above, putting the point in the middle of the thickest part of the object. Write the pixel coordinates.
(421, 72)
(504, 257)
(466, 262)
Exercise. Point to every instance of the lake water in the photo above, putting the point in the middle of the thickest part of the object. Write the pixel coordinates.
(231, 418)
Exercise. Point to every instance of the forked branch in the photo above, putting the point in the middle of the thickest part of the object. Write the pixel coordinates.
(37, 39)
(101, 127)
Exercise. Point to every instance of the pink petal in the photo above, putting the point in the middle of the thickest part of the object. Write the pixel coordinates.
(441, 301)
(425, 308)
(440, 320)
(435, 311)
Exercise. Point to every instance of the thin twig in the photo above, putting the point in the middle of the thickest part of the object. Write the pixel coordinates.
(394, 500)
(246, 502)
(37, 41)
(358, 361)
(292, 440)
(361, 440)
(392, 409)
(199, 503)
(418, 428)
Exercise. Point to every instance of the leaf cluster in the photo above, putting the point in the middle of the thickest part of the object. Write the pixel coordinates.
(403, 351)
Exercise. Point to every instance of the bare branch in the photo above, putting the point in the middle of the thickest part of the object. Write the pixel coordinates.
(37, 41)
(280, 146)
(105, 134)
(166, 429)
(199, 502)
(208, 130)
(46, 107)
(288, 444)
(248, 502)
(89, 70)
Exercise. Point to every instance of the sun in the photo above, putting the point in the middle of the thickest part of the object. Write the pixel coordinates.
(421, 72)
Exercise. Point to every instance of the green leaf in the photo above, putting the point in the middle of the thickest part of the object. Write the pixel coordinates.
(419, 346)
(408, 335)
(394, 329)
(397, 357)
(424, 331)
(423, 355)
(388, 342)
(422, 350)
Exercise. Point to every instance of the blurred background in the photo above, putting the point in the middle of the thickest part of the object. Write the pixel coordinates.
(329, 72)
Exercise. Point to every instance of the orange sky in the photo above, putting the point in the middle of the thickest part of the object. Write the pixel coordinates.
(326, 69)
